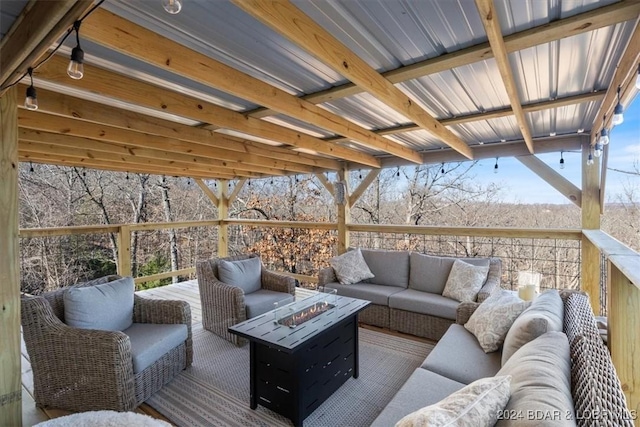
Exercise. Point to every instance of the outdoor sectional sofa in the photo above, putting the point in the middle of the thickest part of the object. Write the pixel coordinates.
(406, 292)
(571, 368)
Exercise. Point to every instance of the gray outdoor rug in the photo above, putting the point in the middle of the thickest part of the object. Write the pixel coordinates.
(214, 391)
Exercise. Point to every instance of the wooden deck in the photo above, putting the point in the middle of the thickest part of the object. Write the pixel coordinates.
(187, 291)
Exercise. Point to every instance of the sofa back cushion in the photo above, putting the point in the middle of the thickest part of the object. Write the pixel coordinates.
(545, 314)
(389, 268)
(107, 307)
(244, 274)
(429, 273)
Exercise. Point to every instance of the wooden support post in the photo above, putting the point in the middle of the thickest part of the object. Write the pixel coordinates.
(624, 324)
(124, 250)
(590, 264)
(10, 373)
(344, 214)
(223, 213)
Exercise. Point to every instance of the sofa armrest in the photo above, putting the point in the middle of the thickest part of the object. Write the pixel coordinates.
(326, 275)
(464, 311)
(278, 282)
(493, 279)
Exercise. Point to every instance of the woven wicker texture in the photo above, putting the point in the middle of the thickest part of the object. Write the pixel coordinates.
(82, 369)
(376, 315)
(418, 324)
(223, 304)
(578, 317)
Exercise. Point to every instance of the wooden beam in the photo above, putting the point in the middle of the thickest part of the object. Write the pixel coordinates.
(207, 191)
(124, 251)
(623, 77)
(236, 191)
(603, 176)
(344, 214)
(489, 17)
(553, 178)
(251, 152)
(33, 33)
(102, 82)
(325, 182)
(114, 32)
(366, 182)
(590, 256)
(545, 33)
(283, 17)
(223, 213)
(44, 142)
(10, 373)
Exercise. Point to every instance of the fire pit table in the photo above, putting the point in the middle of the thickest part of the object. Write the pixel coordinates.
(302, 352)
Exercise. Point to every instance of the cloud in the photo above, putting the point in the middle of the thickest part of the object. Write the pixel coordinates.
(633, 149)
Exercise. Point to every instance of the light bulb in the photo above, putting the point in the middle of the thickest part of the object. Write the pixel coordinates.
(561, 163)
(618, 116)
(495, 168)
(75, 70)
(597, 151)
(590, 160)
(172, 6)
(638, 78)
(604, 137)
(31, 100)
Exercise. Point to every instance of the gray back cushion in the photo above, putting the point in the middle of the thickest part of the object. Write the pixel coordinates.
(108, 307)
(429, 273)
(244, 274)
(390, 268)
(545, 314)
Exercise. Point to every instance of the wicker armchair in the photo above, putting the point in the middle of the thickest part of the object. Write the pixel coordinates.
(223, 305)
(85, 369)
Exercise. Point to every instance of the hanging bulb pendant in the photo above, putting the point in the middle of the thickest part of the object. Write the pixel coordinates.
(172, 6)
(495, 168)
(618, 112)
(590, 160)
(31, 100)
(75, 70)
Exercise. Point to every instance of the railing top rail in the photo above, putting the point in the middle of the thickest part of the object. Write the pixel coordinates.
(282, 224)
(626, 259)
(180, 224)
(65, 231)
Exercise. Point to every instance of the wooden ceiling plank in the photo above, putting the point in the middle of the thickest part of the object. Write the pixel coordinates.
(70, 106)
(553, 178)
(41, 121)
(567, 27)
(489, 17)
(285, 18)
(99, 81)
(114, 32)
(81, 144)
(207, 191)
(33, 33)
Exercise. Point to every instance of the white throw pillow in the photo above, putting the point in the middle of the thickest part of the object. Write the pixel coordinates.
(465, 281)
(350, 267)
(476, 405)
(493, 318)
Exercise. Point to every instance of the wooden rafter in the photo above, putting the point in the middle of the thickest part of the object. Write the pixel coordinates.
(489, 17)
(366, 182)
(325, 182)
(283, 17)
(567, 27)
(66, 105)
(108, 29)
(33, 33)
(236, 191)
(553, 178)
(207, 191)
(117, 86)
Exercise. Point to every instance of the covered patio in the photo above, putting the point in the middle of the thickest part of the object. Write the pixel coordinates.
(227, 92)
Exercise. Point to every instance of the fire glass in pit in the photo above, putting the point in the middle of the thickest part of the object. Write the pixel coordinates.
(307, 313)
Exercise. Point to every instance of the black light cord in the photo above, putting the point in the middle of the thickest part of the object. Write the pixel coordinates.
(75, 26)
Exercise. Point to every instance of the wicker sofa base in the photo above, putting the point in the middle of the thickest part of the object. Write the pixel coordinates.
(160, 373)
(418, 324)
(376, 315)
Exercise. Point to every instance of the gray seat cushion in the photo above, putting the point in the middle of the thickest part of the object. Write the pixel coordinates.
(377, 294)
(244, 274)
(390, 268)
(458, 356)
(107, 307)
(429, 273)
(425, 303)
(423, 388)
(150, 341)
(261, 301)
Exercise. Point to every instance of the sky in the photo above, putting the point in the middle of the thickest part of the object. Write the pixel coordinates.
(513, 177)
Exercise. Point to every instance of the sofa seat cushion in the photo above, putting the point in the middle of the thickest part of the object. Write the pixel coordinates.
(423, 388)
(244, 273)
(390, 268)
(424, 303)
(259, 302)
(540, 383)
(150, 341)
(377, 294)
(107, 307)
(458, 356)
(429, 273)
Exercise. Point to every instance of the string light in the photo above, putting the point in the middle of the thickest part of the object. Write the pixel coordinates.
(31, 100)
(590, 158)
(604, 133)
(495, 168)
(172, 6)
(597, 151)
(75, 70)
(442, 170)
(638, 78)
(127, 177)
(359, 174)
(398, 173)
(618, 112)
(561, 160)
(31, 167)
